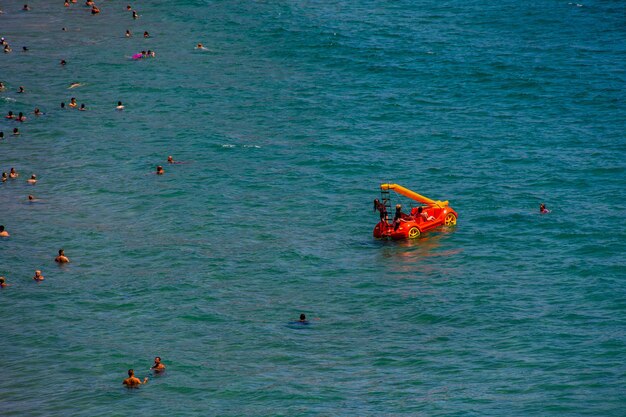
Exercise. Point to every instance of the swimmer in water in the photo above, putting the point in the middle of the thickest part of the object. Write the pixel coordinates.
(135, 15)
(66, 4)
(303, 319)
(63, 62)
(2, 87)
(128, 34)
(170, 160)
(3, 233)
(24, 48)
(200, 46)
(4, 177)
(62, 259)
(37, 112)
(82, 107)
(7, 49)
(158, 365)
(128, 8)
(74, 85)
(3, 282)
(94, 9)
(10, 115)
(13, 173)
(543, 209)
(160, 170)
(25, 8)
(32, 179)
(1, 135)
(73, 103)
(146, 34)
(63, 106)
(16, 131)
(120, 106)
(31, 199)
(38, 276)
(21, 90)
(132, 381)
(21, 117)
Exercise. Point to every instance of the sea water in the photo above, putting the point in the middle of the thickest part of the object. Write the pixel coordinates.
(288, 122)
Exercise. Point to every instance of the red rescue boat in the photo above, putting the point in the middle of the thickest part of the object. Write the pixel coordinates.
(422, 218)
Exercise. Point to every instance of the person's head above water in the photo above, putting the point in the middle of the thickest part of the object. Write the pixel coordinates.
(302, 317)
(131, 372)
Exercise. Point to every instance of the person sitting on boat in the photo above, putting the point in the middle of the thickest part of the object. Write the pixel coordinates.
(398, 216)
(424, 215)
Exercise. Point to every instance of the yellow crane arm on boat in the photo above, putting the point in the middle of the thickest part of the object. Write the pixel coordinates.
(413, 195)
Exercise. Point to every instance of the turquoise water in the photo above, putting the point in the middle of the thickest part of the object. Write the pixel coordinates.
(288, 123)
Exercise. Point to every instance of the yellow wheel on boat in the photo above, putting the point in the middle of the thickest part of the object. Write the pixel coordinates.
(450, 219)
(414, 232)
